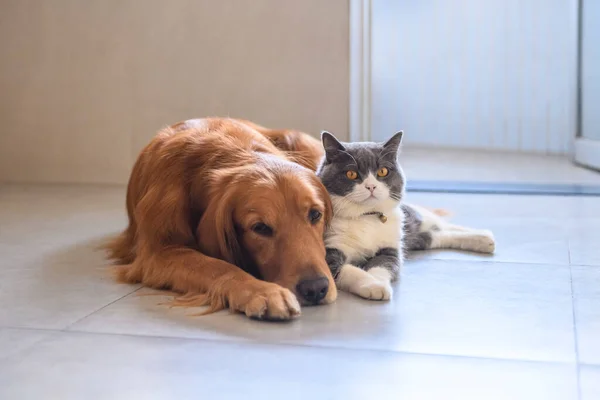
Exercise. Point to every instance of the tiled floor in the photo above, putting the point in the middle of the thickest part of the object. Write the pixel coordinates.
(522, 324)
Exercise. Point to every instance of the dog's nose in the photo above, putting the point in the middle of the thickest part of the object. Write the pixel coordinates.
(370, 186)
(313, 290)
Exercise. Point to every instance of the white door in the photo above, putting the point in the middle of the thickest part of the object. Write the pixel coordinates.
(491, 74)
(587, 146)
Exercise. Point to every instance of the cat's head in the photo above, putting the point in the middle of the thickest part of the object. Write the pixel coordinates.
(362, 176)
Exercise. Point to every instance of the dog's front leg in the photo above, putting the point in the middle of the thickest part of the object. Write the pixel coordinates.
(188, 271)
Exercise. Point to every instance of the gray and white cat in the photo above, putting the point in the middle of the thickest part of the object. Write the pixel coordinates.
(371, 229)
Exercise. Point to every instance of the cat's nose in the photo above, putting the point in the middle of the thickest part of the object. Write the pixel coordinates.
(370, 186)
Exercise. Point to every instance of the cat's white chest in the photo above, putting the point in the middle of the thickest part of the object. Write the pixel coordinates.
(360, 238)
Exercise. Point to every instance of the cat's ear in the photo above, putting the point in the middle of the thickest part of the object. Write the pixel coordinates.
(331, 145)
(394, 142)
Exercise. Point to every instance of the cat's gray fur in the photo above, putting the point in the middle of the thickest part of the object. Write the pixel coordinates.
(364, 157)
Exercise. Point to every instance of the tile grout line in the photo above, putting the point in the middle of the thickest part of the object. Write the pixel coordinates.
(66, 328)
(569, 252)
(575, 336)
(585, 265)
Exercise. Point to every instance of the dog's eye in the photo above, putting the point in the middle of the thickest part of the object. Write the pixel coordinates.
(262, 229)
(314, 216)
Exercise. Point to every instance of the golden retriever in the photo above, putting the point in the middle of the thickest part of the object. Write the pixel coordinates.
(229, 214)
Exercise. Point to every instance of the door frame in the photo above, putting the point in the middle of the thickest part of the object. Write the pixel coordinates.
(360, 70)
(586, 151)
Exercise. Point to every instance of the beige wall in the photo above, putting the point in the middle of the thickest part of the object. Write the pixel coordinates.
(84, 84)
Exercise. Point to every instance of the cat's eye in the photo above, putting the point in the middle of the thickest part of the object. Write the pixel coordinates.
(351, 175)
(262, 229)
(314, 216)
(383, 171)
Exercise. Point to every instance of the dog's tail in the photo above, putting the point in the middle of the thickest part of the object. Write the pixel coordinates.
(121, 249)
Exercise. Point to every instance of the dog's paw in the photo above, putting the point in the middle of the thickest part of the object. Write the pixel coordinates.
(376, 290)
(270, 301)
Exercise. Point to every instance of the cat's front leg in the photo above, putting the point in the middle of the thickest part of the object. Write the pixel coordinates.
(367, 285)
(385, 264)
(382, 269)
(373, 284)
(335, 259)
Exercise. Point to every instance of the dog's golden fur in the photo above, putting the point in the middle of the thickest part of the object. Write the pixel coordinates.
(195, 194)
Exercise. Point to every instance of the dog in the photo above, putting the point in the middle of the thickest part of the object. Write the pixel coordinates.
(229, 214)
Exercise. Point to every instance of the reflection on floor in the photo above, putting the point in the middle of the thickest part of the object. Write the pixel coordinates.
(522, 324)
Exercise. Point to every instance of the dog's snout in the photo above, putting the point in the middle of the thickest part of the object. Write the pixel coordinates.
(313, 290)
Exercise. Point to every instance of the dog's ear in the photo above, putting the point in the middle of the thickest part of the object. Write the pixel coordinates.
(333, 147)
(216, 231)
(324, 195)
(163, 212)
(282, 140)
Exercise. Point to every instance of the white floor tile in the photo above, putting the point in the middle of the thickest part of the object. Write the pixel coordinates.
(503, 310)
(14, 341)
(519, 240)
(584, 239)
(75, 366)
(51, 272)
(590, 382)
(586, 288)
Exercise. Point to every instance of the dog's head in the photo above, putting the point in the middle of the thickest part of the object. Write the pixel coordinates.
(269, 219)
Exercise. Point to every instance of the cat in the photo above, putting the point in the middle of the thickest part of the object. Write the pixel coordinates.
(372, 228)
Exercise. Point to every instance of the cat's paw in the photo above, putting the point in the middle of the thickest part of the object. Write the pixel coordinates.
(486, 242)
(375, 290)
